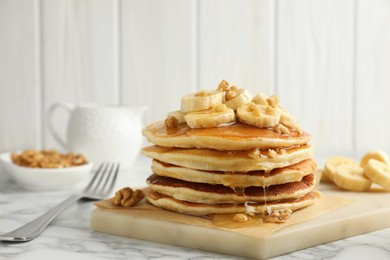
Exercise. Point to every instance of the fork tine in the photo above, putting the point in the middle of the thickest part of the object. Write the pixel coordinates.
(94, 176)
(97, 179)
(110, 184)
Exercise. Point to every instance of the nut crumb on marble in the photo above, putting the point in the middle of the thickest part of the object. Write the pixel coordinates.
(126, 197)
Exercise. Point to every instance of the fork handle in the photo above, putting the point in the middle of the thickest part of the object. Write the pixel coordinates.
(34, 228)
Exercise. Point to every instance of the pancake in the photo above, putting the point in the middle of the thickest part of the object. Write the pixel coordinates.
(201, 209)
(232, 137)
(290, 173)
(237, 161)
(216, 194)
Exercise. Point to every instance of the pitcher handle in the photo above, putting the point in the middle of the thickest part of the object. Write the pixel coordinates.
(68, 107)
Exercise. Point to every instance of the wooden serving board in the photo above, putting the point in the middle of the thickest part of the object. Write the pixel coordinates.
(342, 214)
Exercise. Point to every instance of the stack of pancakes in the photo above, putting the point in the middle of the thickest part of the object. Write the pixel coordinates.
(234, 168)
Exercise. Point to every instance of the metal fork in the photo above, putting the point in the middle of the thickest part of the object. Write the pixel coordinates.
(98, 188)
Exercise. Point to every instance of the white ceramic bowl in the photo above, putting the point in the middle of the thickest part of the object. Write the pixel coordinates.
(44, 179)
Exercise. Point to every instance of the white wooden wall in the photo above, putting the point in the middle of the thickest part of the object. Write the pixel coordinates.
(329, 61)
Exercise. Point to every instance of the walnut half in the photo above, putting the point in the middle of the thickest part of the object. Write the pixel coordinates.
(126, 197)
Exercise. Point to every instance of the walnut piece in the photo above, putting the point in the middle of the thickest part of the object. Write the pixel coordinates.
(272, 153)
(254, 153)
(231, 93)
(47, 159)
(223, 86)
(278, 216)
(281, 129)
(126, 197)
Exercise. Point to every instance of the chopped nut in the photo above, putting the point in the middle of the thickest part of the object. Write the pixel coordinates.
(263, 156)
(220, 108)
(126, 197)
(171, 122)
(272, 153)
(240, 217)
(232, 92)
(223, 86)
(201, 93)
(278, 216)
(47, 159)
(273, 101)
(254, 153)
(282, 129)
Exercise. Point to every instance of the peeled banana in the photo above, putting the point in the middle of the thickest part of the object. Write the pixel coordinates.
(350, 177)
(201, 100)
(214, 117)
(375, 154)
(242, 98)
(333, 162)
(257, 115)
(378, 172)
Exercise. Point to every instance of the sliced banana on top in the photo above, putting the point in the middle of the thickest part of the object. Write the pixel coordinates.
(374, 154)
(287, 119)
(350, 177)
(260, 99)
(238, 98)
(257, 115)
(335, 161)
(201, 100)
(378, 172)
(217, 116)
(174, 118)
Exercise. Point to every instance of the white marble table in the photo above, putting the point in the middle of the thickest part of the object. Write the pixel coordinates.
(70, 237)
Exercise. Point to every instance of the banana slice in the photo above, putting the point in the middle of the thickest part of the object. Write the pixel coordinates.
(217, 116)
(287, 119)
(378, 172)
(260, 99)
(333, 162)
(375, 154)
(350, 177)
(174, 118)
(240, 97)
(201, 100)
(257, 115)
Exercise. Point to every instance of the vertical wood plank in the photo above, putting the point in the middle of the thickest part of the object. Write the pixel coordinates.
(236, 43)
(373, 76)
(19, 82)
(79, 54)
(315, 69)
(156, 54)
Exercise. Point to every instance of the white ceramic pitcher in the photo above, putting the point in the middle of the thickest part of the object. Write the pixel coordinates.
(102, 133)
